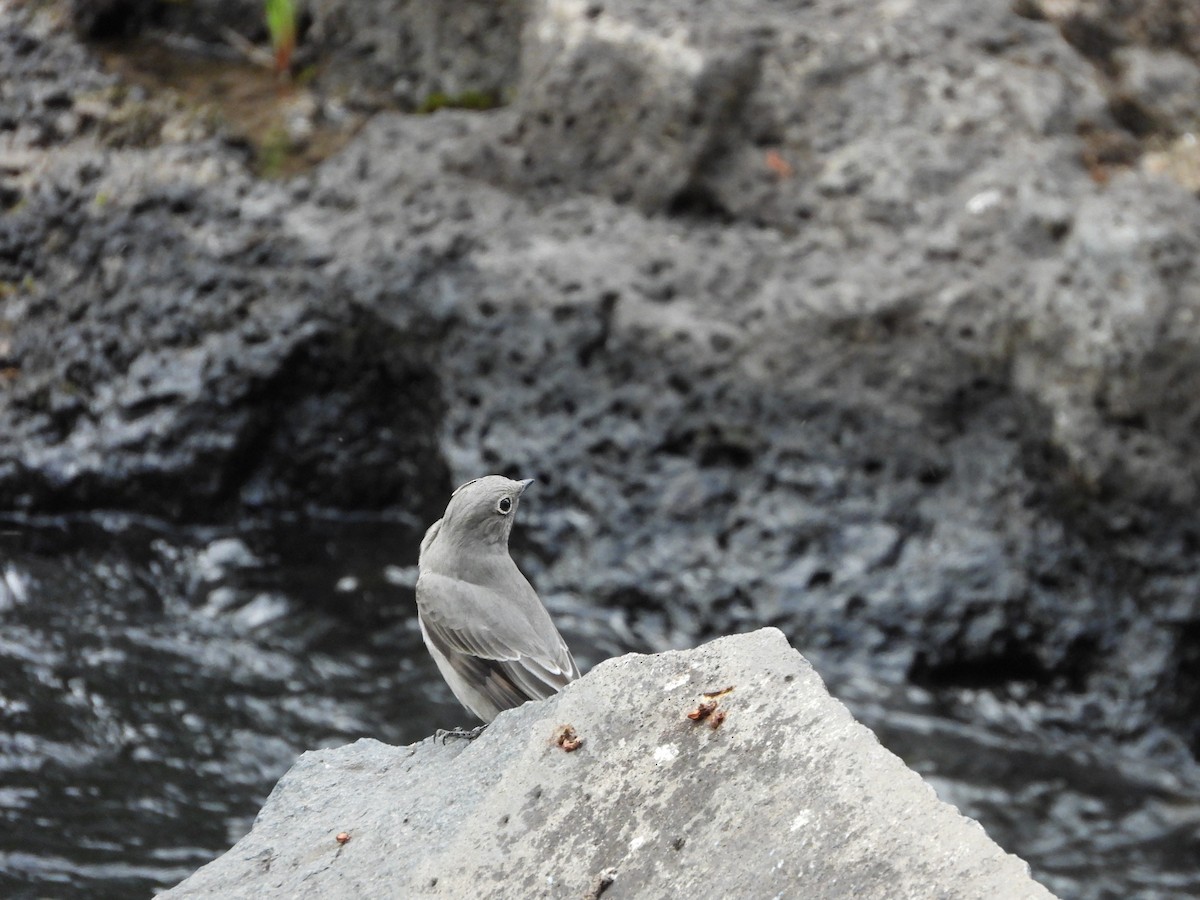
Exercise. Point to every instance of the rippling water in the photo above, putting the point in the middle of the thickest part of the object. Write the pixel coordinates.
(154, 684)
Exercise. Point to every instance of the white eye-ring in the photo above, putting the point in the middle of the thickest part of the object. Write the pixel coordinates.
(504, 506)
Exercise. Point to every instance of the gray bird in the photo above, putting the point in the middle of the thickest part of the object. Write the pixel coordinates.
(482, 621)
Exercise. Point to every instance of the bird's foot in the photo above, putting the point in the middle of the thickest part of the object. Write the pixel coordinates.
(469, 734)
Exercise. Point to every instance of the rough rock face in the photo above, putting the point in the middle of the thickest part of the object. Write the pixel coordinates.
(787, 796)
(401, 51)
(869, 352)
(166, 347)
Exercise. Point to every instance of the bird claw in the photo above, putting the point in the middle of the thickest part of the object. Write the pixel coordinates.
(469, 734)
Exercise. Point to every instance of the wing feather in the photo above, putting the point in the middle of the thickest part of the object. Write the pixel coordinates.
(509, 651)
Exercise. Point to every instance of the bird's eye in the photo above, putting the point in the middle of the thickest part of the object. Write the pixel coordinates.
(504, 506)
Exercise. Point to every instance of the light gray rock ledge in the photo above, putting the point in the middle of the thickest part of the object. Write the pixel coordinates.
(789, 797)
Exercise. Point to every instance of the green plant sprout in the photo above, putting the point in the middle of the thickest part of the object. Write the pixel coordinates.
(281, 23)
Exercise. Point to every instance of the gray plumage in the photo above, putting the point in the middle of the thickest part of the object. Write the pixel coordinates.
(482, 621)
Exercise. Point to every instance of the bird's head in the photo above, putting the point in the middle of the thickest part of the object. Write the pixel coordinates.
(482, 511)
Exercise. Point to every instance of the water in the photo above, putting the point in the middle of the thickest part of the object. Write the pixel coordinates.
(1096, 821)
(154, 685)
(156, 682)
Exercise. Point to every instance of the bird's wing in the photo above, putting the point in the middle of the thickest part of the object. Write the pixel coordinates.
(510, 651)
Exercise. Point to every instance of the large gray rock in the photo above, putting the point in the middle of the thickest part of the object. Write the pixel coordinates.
(163, 345)
(788, 797)
(622, 100)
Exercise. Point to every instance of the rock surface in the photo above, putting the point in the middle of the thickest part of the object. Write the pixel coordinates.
(844, 357)
(164, 346)
(402, 52)
(788, 797)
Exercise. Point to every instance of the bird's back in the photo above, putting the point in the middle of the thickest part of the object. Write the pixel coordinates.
(487, 630)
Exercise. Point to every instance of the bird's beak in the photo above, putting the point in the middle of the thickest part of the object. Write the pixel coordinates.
(524, 484)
